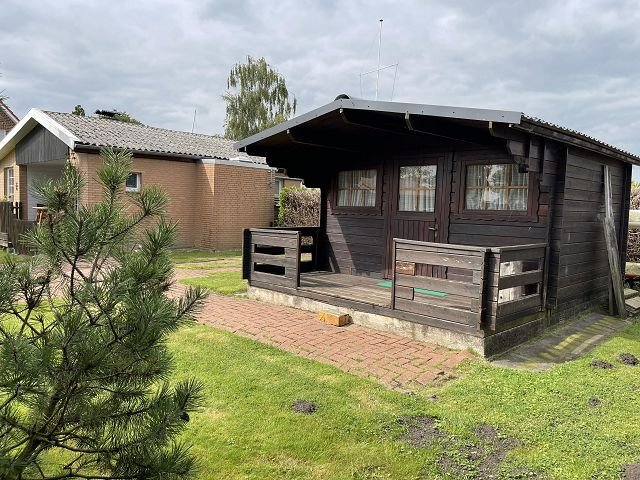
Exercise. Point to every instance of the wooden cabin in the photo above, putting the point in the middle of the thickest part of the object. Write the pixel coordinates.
(466, 227)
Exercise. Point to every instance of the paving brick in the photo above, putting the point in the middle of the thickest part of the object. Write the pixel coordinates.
(388, 358)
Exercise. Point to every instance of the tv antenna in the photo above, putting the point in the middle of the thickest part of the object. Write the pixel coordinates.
(379, 69)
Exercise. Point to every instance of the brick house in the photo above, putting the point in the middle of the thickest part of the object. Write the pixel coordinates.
(213, 191)
(8, 119)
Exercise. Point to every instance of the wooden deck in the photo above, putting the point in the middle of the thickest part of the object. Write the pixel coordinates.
(348, 287)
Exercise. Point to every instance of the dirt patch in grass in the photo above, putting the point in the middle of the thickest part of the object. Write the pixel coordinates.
(421, 430)
(601, 364)
(480, 461)
(632, 471)
(304, 407)
(628, 359)
(594, 402)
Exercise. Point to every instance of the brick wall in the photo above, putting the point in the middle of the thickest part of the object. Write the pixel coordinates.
(232, 198)
(212, 202)
(6, 122)
(177, 178)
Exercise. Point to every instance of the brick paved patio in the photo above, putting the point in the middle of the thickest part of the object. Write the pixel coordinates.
(391, 359)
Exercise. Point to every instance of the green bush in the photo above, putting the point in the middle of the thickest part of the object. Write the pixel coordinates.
(299, 207)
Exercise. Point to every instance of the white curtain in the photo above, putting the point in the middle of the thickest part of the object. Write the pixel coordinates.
(417, 188)
(496, 187)
(357, 188)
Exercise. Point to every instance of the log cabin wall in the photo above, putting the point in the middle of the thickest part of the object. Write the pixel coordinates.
(582, 267)
(359, 243)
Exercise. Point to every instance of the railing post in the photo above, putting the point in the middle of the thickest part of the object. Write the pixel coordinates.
(298, 253)
(246, 254)
(393, 275)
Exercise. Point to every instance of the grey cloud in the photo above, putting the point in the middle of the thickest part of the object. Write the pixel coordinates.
(572, 62)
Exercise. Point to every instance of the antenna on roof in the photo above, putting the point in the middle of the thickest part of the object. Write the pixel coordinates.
(379, 69)
(379, 50)
(193, 125)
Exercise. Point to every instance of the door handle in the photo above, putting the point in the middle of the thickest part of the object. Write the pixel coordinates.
(434, 228)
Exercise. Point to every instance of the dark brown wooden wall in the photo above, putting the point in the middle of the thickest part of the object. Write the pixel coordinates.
(582, 265)
(568, 198)
(358, 243)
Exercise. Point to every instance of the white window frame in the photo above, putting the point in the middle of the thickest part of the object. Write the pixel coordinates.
(9, 182)
(138, 177)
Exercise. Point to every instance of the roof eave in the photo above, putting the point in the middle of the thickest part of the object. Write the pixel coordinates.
(553, 132)
(29, 122)
(497, 116)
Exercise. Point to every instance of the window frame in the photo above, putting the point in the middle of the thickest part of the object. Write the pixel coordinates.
(529, 214)
(417, 162)
(138, 187)
(374, 210)
(7, 184)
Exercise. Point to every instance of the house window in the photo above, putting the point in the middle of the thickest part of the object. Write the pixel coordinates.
(357, 188)
(9, 182)
(133, 182)
(496, 187)
(279, 186)
(417, 188)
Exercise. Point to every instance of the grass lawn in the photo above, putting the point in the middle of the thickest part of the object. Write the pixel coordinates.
(224, 283)
(200, 256)
(248, 430)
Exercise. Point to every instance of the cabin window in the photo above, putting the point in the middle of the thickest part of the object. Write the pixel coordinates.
(133, 182)
(357, 188)
(9, 182)
(496, 187)
(417, 188)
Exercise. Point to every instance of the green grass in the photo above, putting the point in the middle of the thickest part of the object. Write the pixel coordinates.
(199, 256)
(212, 265)
(224, 283)
(247, 428)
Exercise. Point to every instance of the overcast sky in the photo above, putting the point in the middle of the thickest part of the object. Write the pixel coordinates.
(572, 62)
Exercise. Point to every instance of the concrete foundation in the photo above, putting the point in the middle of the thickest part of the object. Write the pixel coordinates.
(415, 331)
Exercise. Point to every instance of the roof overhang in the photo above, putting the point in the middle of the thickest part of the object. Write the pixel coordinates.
(405, 110)
(31, 120)
(339, 126)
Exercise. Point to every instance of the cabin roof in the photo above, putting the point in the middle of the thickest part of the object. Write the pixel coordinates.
(96, 132)
(395, 118)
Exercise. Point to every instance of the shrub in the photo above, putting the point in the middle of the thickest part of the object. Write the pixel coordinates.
(299, 207)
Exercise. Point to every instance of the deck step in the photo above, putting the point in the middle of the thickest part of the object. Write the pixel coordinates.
(633, 305)
(630, 293)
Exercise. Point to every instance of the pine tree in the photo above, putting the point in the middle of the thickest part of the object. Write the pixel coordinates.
(262, 99)
(84, 366)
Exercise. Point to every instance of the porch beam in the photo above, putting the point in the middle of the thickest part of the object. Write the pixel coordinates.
(355, 123)
(411, 127)
(304, 139)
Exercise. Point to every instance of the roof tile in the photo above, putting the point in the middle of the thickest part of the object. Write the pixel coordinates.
(106, 132)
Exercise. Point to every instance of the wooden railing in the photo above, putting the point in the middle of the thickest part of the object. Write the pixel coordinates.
(271, 256)
(308, 246)
(479, 287)
(14, 227)
(449, 300)
(514, 283)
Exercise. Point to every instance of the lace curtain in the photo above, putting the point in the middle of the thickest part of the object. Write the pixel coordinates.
(417, 188)
(357, 188)
(496, 187)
